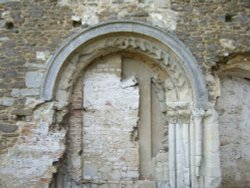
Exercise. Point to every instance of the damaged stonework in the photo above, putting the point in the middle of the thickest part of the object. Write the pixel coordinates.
(110, 114)
(235, 65)
(179, 91)
(233, 106)
(102, 119)
(234, 130)
(29, 162)
(185, 92)
(89, 13)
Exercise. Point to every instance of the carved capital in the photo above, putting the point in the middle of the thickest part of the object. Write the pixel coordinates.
(179, 111)
(184, 115)
(198, 113)
(172, 116)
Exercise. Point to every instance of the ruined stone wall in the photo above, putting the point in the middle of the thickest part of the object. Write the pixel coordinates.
(32, 30)
(234, 110)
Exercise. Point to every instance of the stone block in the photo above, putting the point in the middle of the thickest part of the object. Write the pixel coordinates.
(8, 128)
(24, 92)
(162, 3)
(2, 23)
(146, 184)
(40, 55)
(6, 101)
(6, 1)
(33, 79)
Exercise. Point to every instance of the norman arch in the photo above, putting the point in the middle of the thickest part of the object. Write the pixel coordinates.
(192, 154)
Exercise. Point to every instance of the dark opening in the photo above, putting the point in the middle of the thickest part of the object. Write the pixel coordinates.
(228, 17)
(9, 25)
(76, 23)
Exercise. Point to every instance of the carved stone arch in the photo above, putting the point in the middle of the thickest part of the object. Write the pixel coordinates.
(186, 60)
(192, 158)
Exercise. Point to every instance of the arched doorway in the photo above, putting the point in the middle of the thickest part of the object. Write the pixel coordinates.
(118, 125)
(169, 100)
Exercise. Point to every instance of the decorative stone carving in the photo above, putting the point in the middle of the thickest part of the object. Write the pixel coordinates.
(141, 30)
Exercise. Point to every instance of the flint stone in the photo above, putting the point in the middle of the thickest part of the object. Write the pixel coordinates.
(8, 128)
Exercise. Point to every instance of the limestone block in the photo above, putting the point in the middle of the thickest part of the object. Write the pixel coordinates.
(162, 3)
(7, 101)
(33, 79)
(24, 92)
(32, 102)
(228, 43)
(89, 18)
(42, 55)
(147, 184)
(4, 39)
(2, 23)
(167, 20)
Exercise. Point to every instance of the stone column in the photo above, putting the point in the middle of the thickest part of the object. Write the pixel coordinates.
(211, 150)
(197, 143)
(184, 122)
(172, 119)
(179, 145)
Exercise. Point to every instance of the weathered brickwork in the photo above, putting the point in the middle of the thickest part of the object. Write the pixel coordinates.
(32, 30)
(109, 151)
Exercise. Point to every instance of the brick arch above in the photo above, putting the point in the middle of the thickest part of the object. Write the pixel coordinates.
(177, 50)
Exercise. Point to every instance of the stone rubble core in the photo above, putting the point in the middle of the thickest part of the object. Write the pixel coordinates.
(36, 150)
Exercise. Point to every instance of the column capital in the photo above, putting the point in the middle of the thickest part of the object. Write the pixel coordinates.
(198, 112)
(184, 115)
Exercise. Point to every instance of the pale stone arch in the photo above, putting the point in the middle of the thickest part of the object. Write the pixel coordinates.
(187, 61)
(193, 157)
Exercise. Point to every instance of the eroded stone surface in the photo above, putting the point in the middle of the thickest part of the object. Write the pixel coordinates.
(29, 162)
(113, 138)
(234, 109)
(109, 118)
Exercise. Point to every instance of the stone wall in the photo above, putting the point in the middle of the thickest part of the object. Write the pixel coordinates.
(32, 30)
(234, 110)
